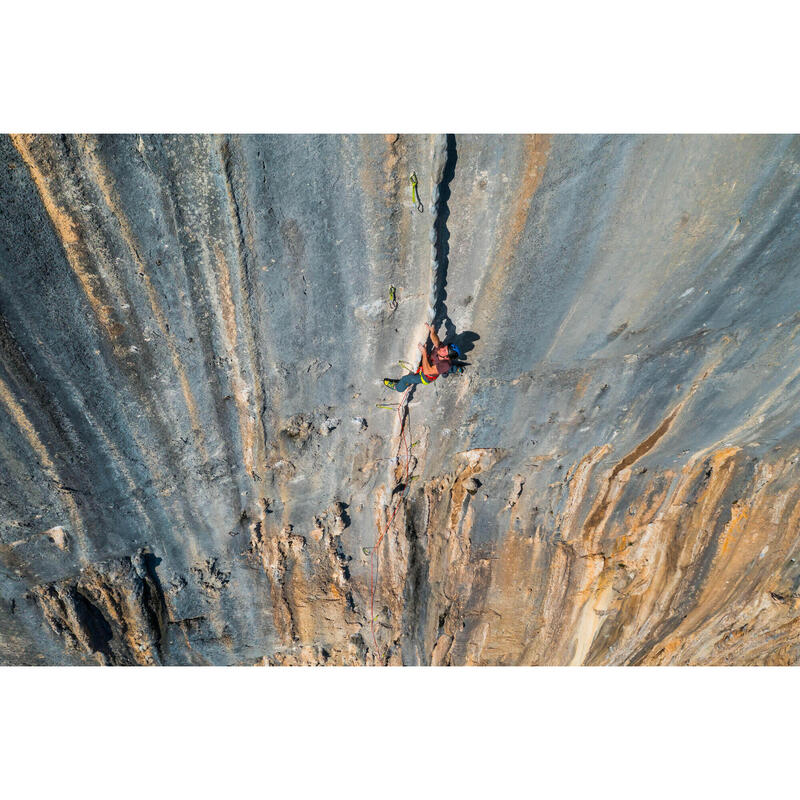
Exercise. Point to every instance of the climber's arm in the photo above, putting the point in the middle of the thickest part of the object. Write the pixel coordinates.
(426, 364)
(434, 337)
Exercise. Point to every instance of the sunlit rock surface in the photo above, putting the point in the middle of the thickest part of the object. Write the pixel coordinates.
(193, 333)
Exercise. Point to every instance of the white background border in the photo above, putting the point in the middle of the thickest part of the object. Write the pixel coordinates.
(403, 67)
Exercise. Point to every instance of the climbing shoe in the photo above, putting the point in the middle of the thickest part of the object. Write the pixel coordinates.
(389, 382)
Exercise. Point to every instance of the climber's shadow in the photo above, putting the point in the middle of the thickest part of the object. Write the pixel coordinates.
(465, 342)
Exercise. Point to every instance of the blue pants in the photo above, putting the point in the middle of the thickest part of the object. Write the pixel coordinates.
(407, 380)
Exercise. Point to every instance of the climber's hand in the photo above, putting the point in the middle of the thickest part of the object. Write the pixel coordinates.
(421, 347)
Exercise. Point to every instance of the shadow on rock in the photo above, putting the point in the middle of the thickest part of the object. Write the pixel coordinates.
(443, 238)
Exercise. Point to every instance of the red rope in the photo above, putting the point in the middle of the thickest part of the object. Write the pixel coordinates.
(373, 553)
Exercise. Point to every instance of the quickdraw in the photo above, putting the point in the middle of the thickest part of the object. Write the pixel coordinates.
(392, 298)
(415, 199)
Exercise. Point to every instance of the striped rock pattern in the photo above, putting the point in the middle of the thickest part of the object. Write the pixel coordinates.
(193, 333)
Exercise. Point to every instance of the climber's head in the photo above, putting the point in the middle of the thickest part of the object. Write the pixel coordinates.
(454, 352)
(443, 351)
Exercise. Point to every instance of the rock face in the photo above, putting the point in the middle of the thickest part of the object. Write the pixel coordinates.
(193, 333)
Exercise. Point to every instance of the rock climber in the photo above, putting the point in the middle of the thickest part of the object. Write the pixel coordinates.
(438, 363)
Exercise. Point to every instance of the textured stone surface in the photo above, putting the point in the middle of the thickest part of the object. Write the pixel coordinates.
(192, 336)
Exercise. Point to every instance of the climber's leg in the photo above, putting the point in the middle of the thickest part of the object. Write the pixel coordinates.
(404, 382)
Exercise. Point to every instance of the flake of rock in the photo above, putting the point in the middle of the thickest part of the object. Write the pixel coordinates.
(472, 485)
(328, 425)
(58, 536)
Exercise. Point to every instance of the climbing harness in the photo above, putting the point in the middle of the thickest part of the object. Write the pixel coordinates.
(415, 199)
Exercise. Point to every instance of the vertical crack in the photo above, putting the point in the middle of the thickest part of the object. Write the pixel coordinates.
(442, 239)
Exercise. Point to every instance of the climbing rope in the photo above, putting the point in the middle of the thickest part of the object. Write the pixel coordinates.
(403, 417)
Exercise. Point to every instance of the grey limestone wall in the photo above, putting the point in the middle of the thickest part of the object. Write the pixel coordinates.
(193, 333)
